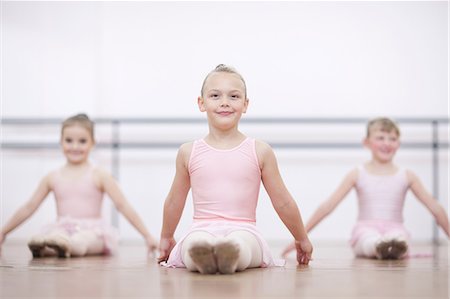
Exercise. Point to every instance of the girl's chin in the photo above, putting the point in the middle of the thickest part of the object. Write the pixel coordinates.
(76, 161)
(385, 159)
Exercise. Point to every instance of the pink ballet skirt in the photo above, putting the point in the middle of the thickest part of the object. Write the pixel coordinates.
(222, 229)
(71, 226)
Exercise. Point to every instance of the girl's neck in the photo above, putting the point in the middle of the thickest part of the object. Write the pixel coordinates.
(77, 166)
(71, 171)
(380, 168)
(224, 140)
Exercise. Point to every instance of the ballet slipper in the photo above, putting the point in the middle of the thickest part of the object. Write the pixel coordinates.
(227, 255)
(391, 249)
(60, 243)
(202, 255)
(36, 246)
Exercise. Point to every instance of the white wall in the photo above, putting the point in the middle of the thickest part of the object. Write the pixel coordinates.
(148, 59)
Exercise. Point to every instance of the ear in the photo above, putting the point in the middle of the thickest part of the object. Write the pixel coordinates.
(365, 142)
(201, 104)
(246, 102)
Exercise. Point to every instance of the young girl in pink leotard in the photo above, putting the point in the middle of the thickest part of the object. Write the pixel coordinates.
(381, 187)
(225, 170)
(78, 187)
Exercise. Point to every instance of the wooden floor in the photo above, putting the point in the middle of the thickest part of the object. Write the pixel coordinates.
(334, 273)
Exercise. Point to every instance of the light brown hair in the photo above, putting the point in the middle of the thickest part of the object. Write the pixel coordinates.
(80, 119)
(222, 68)
(384, 124)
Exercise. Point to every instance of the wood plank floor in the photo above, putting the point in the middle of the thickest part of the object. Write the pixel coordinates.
(334, 273)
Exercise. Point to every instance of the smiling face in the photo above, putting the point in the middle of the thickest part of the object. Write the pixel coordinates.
(383, 144)
(223, 99)
(76, 143)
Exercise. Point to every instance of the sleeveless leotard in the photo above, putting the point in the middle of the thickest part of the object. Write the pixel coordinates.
(78, 199)
(225, 183)
(79, 205)
(225, 187)
(381, 197)
(380, 203)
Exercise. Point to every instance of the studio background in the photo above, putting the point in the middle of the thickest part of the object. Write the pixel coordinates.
(299, 59)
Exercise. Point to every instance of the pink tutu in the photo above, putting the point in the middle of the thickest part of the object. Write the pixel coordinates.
(381, 227)
(71, 226)
(222, 229)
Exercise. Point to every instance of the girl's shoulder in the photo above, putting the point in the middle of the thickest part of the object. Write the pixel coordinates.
(353, 175)
(411, 177)
(262, 147)
(186, 147)
(184, 154)
(51, 177)
(185, 150)
(264, 153)
(99, 173)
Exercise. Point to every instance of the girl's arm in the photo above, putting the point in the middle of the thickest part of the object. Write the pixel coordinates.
(329, 205)
(24, 212)
(175, 201)
(282, 201)
(334, 200)
(110, 186)
(430, 203)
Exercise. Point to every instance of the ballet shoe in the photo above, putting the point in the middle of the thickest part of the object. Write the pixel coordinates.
(399, 248)
(202, 255)
(36, 246)
(227, 255)
(59, 243)
(391, 249)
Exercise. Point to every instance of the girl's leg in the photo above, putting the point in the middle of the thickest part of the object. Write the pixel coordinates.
(366, 245)
(86, 242)
(238, 251)
(197, 253)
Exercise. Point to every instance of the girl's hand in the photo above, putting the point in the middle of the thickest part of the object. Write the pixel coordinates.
(152, 245)
(288, 249)
(165, 247)
(304, 251)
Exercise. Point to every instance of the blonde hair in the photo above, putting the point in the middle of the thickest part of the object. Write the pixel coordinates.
(384, 124)
(80, 119)
(222, 68)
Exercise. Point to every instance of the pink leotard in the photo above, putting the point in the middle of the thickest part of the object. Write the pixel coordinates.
(380, 203)
(225, 183)
(79, 205)
(381, 197)
(79, 198)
